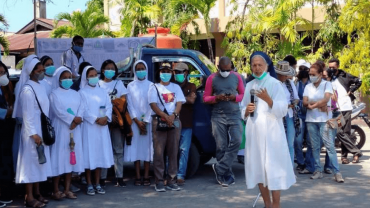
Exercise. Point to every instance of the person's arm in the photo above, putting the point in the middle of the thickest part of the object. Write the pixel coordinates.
(321, 103)
(355, 83)
(190, 99)
(278, 103)
(208, 98)
(29, 116)
(240, 89)
(88, 116)
(305, 101)
(61, 111)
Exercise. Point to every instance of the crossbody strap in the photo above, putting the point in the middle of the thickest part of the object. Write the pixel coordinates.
(36, 98)
(160, 97)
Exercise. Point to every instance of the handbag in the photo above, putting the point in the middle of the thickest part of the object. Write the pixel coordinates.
(48, 133)
(162, 124)
(338, 121)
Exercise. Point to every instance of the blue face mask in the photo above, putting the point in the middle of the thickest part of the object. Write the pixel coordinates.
(109, 74)
(93, 81)
(77, 48)
(49, 71)
(165, 77)
(260, 77)
(66, 83)
(141, 74)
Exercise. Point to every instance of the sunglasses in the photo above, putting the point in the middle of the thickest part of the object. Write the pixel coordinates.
(221, 70)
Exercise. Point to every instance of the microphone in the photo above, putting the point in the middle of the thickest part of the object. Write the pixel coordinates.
(253, 92)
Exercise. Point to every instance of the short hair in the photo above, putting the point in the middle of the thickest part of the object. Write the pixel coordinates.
(318, 67)
(44, 59)
(82, 66)
(292, 61)
(334, 60)
(104, 64)
(224, 60)
(77, 37)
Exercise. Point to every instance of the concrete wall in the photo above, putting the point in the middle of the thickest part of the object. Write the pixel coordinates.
(9, 61)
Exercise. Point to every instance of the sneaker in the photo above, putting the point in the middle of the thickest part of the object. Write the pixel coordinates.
(300, 167)
(99, 189)
(74, 188)
(120, 182)
(328, 171)
(2, 205)
(160, 187)
(6, 201)
(317, 175)
(180, 181)
(90, 190)
(83, 180)
(305, 171)
(338, 177)
(229, 180)
(102, 183)
(173, 187)
(219, 178)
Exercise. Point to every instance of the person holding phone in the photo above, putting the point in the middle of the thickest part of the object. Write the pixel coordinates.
(224, 90)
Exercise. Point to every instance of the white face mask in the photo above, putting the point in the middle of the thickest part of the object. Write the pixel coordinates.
(314, 79)
(4, 80)
(225, 74)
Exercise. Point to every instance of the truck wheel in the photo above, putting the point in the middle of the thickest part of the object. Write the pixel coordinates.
(358, 136)
(193, 161)
(204, 159)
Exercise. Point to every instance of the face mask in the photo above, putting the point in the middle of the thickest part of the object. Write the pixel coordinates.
(93, 81)
(225, 74)
(263, 75)
(141, 74)
(109, 74)
(4, 80)
(66, 83)
(314, 79)
(40, 76)
(50, 70)
(77, 48)
(180, 78)
(303, 74)
(165, 77)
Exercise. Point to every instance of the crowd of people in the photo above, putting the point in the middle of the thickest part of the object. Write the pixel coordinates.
(99, 123)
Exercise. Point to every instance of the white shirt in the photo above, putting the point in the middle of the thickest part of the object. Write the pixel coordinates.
(287, 95)
(315, 94)
(69, 59)
(115, 88)
(170, 95)
(344, 101)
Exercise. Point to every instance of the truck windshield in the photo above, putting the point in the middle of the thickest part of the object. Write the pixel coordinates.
(122, 64)
(207, 62)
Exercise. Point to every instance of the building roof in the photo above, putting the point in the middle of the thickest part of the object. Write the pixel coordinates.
(42, 24)
(23, 42)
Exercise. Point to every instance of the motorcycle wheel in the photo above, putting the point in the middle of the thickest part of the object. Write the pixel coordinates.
(358, 136)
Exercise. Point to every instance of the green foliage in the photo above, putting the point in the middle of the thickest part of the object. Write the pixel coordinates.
(88, 24)
(98, 4)
(3, 40)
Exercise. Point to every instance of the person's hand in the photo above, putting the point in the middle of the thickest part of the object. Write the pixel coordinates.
(291, 106)
(141, 125)
(263, 94)
(9, 112)
(37, 139)
(231, 98)
(103, 121)
(73, 126)
(323, 109)
(170, 120)
(221, 97)
(250, 109)
(77, 120)
(311, 106)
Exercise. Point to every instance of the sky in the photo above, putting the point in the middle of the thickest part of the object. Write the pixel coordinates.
(20, 12)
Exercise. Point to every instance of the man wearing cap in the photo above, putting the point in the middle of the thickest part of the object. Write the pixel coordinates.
(181, 72)
(224, 90)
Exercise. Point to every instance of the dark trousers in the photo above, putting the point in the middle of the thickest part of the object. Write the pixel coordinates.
(165, 141)
(344, 137)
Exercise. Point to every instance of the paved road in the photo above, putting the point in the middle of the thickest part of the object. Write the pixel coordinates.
(202, 191)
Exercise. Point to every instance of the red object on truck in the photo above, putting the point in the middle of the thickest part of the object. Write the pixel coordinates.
(164, 39)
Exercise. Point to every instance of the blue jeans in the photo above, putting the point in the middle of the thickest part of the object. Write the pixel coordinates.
(320, 132)
(298, 143)
(185, 142)
(290, 135)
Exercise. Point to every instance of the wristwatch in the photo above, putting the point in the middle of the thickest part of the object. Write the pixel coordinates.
(176, 115)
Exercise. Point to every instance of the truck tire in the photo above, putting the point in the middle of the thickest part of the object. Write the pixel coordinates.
(193, 161)
(358, 136)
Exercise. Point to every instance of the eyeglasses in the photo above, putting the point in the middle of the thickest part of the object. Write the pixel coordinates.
(224, 70)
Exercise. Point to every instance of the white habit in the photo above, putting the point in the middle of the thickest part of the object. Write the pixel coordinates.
(267, 158)
(141, 147)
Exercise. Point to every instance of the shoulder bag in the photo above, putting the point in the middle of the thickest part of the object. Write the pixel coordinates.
(162, 125)
(338, 121)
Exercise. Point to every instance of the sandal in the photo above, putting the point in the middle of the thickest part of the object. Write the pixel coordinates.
(70, 195)
(146, 182)
(345, 161)
(356, 159)
(41, 199)
(137, 182)
(34, 203)
(58, 196)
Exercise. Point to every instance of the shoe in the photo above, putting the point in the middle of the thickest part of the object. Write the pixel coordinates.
(317, 175)
(219, 178)
(90, 190)
(305, 171)
(120, 182)
(229, 180)
(160, 187)
(173, 187)
(99, 189)
(300, 167)
(328, 171)
(345, 161)
(6, 201)
(338, 177)
(356, 158)
(74, 188)
(180, 181)
(83, 180)
(102, 183)
(2, 205)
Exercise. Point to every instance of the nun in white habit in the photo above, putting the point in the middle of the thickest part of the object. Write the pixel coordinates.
(97, 145)
(267, 158)
(141, 148)
(29, 170)
(68, 110)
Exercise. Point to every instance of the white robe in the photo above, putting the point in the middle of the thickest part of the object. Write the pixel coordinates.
(28, 168)
(267, 158)
(141, 147)
(47, 82)
(61, 102)
(97, 145)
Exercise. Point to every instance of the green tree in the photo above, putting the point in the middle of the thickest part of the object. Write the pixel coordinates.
(3, 40)
(88, 24)
(99, 4)
(204, 7)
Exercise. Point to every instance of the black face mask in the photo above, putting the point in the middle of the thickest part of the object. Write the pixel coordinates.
(303, 74)
(331, 72)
